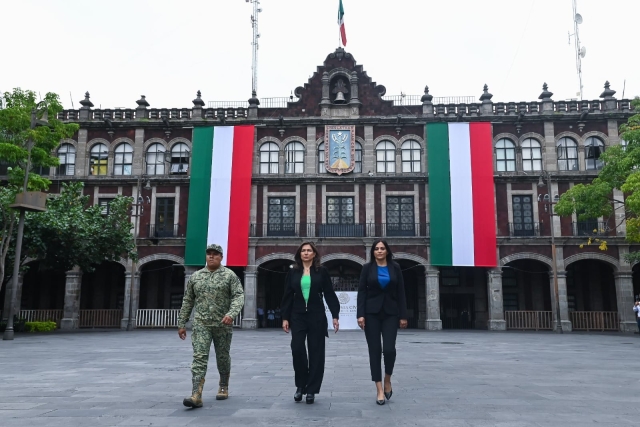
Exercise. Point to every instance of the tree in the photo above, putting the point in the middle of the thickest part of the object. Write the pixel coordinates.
(16, 139)
(71, 233)
(621, 171)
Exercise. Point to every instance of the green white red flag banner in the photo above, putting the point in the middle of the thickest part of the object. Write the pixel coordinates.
(461, 194)
(343, 32)
(220, 193)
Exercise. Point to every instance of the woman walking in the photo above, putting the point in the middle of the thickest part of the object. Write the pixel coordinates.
(382, 306)
(303, 312)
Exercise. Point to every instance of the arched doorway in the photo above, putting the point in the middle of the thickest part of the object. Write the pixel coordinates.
(103, 288)
(591, 295)
(271, 277)
(161, 285)
(42, 289)
(414, 276)
(526, 286)
(463, 298)
(636, 282)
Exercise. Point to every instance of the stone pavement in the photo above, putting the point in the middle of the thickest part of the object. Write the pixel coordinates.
(475, 378)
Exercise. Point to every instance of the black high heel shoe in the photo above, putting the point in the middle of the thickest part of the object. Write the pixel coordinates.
(298, 395)
(388, 394)
(310, 398)
(380, 402)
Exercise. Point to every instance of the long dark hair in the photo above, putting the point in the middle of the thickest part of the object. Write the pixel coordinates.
(372, 258)
(298, 258)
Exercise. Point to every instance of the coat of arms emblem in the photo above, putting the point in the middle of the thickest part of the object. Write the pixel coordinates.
(339, 149)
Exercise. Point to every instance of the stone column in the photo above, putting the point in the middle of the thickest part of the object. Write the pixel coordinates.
(496, 320)
(369, 155)
(311, 153)
(564, 305)
(249, 320)
(72, 300)
(625, 300)
(7, 297)
(432, 292)
(127, 296)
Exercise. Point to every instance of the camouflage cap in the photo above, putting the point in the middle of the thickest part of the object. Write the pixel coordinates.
(214, 247)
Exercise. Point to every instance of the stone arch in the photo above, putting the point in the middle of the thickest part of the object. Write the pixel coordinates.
(411, 257)
(159, 257)
(151, 141)
(273, 257)
(340, 71)
(95, 141)
(391, 138)
(339, 256)
(292, 139)
(532, 135)
(67, 141)
(411, 136)
(268, 139)
(571, 135)
(613, 262)
(601, 136)
(177, 140)
(511, 137)
(527, 256)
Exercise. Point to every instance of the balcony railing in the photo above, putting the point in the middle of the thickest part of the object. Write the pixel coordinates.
(590, 228)
(594, 320)
(164, 230)
(529, 320)
(531, 229)
(339, 230)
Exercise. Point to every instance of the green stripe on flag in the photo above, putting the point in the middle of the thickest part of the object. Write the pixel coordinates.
(199, 189)
(439, 194)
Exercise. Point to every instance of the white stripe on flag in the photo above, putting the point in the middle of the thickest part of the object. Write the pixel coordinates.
(461, 194)
(220, 196)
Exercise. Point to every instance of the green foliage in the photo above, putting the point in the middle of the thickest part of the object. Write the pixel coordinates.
(18, 132)
(621, 171)
(40, 326)
(71, 233)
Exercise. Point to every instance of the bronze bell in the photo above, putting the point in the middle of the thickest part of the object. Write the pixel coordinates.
(340, 97)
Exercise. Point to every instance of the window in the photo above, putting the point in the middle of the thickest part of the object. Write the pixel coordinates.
(179, 159)
(282, 216)
(269, 157)
(531, 155)
(123, 159)
(593, 147)
(98, 159)
(505, 156)
(41, 170)
(400, 219)
(321, 168)
(449, 276)
(155, 159)
(340, 210)
(385, 157)
(410, 156)
(4, 167)
(165, 213)
(522, 216)
(567, 155)
(104, 205)
(358, 167)
(294, 158)
(67, 159)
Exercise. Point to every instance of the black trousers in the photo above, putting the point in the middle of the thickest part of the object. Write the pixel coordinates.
(311, 329)
(375, 326)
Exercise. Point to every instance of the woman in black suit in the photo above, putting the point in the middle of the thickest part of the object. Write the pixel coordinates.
(303, 312)
(382, 306)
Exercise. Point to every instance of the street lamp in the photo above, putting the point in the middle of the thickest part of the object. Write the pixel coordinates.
(136, 212)
(548, 206)
(24, 203)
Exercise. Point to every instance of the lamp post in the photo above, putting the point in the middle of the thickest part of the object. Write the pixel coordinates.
(41, 106)
(549, 202)
(136, 212)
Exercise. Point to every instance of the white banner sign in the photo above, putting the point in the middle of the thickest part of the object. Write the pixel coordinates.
(348, 311)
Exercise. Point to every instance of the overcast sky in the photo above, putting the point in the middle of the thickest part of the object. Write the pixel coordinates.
(167, 50)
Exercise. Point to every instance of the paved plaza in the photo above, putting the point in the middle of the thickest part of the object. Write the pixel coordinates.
(475, 378)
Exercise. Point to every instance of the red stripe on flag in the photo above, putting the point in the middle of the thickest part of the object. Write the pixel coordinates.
(484, 227)
(343, 34)
(242, 162)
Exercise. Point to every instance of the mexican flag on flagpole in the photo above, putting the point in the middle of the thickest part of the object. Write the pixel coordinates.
(343, 32)
(461, 194)
(220, 193)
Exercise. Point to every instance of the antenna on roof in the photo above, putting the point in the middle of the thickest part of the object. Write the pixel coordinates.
(580, 51)
(72, 107)
(254, 44)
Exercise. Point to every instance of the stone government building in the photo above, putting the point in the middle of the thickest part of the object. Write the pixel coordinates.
(294, 199)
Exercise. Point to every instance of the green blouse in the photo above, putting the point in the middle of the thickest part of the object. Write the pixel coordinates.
(305, 284)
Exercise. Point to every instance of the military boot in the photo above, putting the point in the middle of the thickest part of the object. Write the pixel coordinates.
(195, 400)
(223, 387)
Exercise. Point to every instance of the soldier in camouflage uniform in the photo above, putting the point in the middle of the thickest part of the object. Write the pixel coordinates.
(217, 295)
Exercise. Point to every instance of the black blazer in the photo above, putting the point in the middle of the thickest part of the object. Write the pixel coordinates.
(293, 301)
(372, 298)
